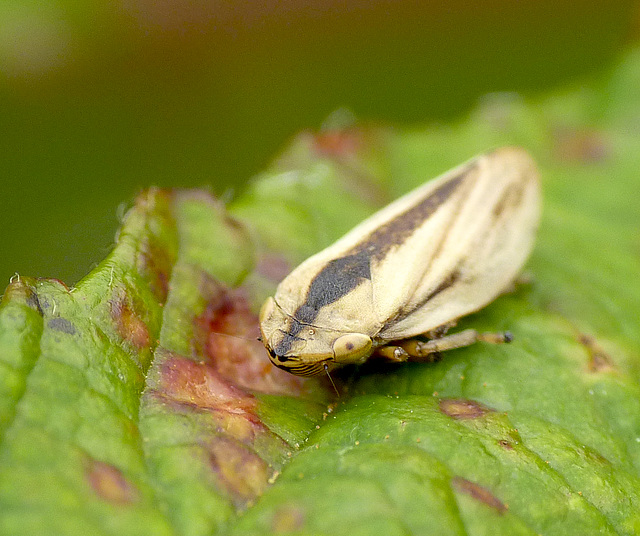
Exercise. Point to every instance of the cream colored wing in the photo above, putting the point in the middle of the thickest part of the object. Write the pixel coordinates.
(488, 236)
(463, 235)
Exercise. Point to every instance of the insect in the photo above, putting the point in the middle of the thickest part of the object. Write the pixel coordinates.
(440, 252)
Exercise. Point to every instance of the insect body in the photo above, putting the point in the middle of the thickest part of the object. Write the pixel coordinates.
(440, 252)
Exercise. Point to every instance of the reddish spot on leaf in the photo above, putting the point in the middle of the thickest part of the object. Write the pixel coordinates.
(128, 323)
(227, 365)
(460, 408)
(479, 493)
(110, 484)
(599, 360)
(229, 335)
(199, 384)
(587, 145)
(288, 518)
(240, 471)
(506, 445)
(339, 143)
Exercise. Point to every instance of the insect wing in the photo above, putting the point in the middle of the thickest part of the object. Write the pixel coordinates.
(487, 236)
(438, 253)
(360, 281)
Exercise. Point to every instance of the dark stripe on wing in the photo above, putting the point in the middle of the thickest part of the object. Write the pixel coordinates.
(340, 276)
(399, 229)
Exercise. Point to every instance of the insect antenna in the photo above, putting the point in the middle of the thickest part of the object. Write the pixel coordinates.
(326, 369)
(240, 337)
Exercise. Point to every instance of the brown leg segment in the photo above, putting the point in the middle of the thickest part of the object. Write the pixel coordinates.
(416, 350)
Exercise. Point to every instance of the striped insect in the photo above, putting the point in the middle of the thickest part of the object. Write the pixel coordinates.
(440, 252)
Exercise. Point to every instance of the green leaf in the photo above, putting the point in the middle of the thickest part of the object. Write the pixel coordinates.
(141, 402)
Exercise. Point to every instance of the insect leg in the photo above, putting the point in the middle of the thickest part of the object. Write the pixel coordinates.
(416, 350)
(395, 354)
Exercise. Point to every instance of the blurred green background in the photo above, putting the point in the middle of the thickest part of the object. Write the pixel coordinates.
(101, 99)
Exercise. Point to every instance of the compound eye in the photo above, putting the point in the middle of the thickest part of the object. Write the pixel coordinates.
(351, 348)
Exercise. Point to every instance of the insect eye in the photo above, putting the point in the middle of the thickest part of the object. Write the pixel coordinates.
(351, 347)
